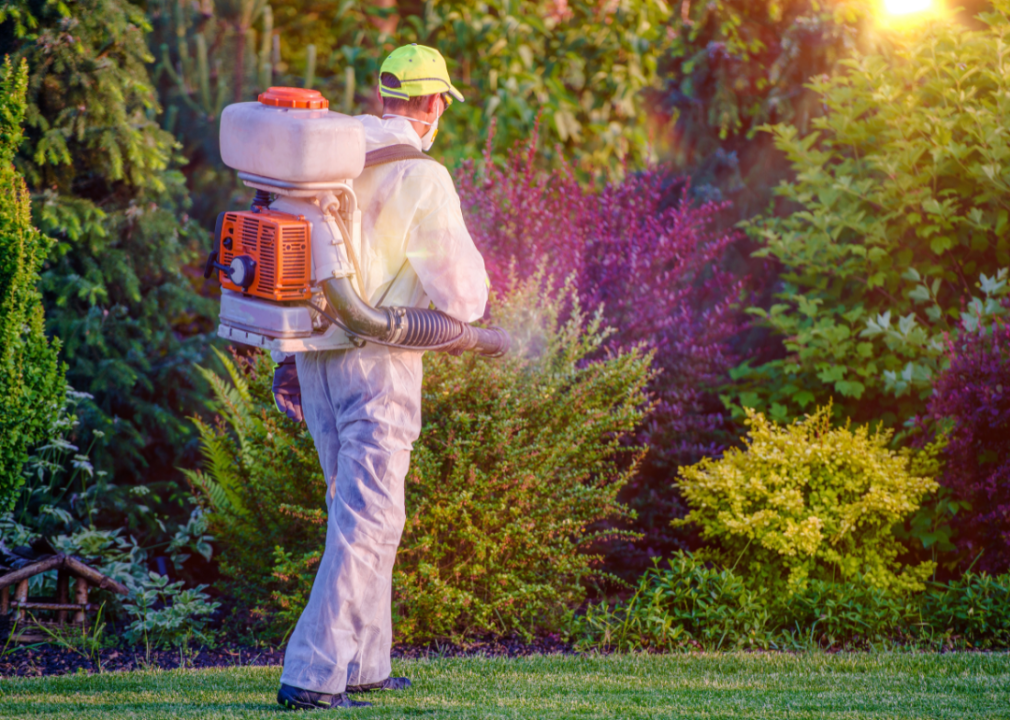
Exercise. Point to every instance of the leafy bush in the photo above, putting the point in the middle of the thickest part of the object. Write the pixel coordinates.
(104, 187)
(972, 611)
(972, 399)
(517, 460)
(654, 269)
(690, 605)
(833, 614)
(156, 611)
(901, 189)
(582, 63)
(930, 532)
(165, 615)
(808, 501)
(31, 379)
(66, 501)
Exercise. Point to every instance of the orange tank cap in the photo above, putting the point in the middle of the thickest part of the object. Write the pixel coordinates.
(294, 98)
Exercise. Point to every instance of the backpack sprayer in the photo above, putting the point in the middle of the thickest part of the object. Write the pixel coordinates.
(288, 265)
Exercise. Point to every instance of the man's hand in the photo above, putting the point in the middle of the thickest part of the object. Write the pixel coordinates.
(287, 390)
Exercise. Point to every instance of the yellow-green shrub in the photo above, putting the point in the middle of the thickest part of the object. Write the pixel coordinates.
(808, 501)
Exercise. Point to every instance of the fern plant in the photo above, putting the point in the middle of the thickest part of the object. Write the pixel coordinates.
(255, 461)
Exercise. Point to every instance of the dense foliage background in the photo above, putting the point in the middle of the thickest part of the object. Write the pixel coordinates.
(749, 211)
(106, 187)
(902, 192)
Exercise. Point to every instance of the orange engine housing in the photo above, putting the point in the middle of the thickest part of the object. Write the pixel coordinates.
(281, 246)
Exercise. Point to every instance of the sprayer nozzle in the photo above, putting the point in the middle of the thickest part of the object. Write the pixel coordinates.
(492, 342)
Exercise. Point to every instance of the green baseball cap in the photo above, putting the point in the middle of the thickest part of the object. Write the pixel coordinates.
(420, 69)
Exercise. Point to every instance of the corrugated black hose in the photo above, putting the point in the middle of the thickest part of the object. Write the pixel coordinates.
(407, 328)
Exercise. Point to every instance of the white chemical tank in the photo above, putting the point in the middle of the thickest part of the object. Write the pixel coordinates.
(289, 135)
(290, 146)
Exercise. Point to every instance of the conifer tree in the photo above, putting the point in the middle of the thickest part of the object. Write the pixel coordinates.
(31, 380)
(107, 189)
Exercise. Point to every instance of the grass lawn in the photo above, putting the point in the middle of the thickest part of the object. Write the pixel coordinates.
(734, 686)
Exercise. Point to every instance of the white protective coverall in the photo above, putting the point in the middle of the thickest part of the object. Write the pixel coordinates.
(363, 409)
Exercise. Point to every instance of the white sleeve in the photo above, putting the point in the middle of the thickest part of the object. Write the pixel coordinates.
(440, 249)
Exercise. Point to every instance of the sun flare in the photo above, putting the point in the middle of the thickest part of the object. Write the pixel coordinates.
(907, 7)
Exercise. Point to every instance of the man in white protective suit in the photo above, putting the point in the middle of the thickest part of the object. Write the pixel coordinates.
(363, 405)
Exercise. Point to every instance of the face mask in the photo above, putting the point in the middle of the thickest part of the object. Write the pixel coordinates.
(428, 139)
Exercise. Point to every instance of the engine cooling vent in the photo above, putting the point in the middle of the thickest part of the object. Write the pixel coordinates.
(281, 246)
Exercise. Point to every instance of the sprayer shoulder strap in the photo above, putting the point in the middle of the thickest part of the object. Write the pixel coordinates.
(388, 154)
(394, 153)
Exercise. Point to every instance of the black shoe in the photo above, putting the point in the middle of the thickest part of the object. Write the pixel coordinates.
(292, 698)
(390, 683)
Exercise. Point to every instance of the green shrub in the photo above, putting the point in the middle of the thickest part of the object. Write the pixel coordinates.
(166, 616)
(156, 612)
(690, 604)
(517, 460)
(687, 605)
(833, 614)
(900, 206)
(31, 379)
(973, 611)
(808, 501)
(588, 67)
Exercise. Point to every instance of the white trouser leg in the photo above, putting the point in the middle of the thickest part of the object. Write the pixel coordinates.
(363, 409)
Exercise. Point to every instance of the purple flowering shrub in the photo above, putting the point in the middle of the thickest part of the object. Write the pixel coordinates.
(973, 397)
(651, 259)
